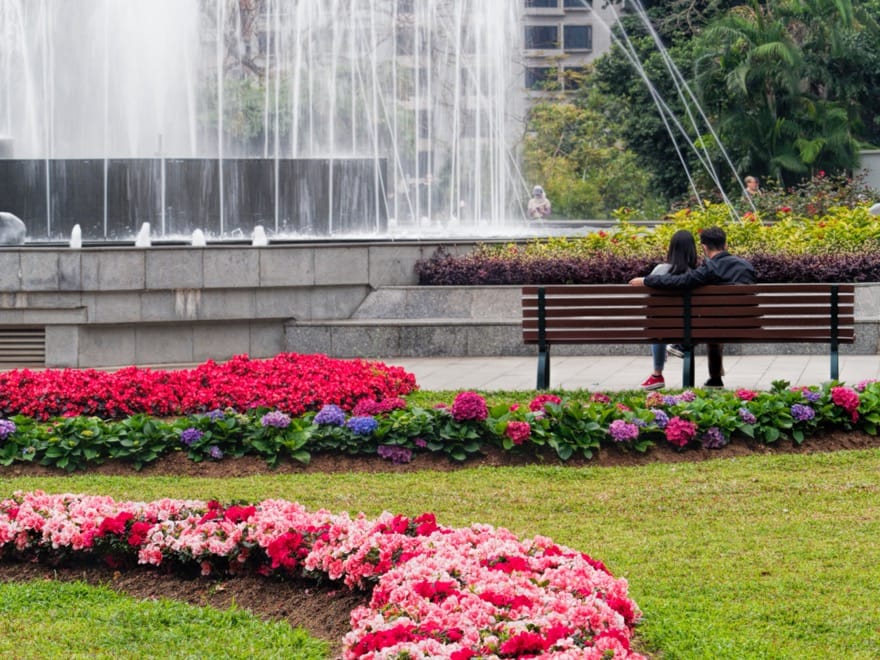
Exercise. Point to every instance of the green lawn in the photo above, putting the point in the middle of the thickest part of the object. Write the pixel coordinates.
(755, 557)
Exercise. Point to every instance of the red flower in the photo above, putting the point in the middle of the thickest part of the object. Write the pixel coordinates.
(239, 514)
(115, 525)
(524, 643)
(138, 533)
(282, 551)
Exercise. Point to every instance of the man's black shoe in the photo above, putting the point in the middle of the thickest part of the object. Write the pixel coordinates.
(675, 349)
(713, 383)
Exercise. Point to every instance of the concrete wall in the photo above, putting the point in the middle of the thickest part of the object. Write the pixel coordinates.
(172, 305)
(161, 305)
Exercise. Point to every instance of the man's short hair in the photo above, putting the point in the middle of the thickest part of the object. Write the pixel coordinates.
(713, 238)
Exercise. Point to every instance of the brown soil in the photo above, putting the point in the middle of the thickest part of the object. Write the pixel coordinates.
(324, 610)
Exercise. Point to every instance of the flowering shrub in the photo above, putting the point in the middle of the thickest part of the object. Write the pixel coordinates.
(835, 244)
(436, 591)
(289, 382)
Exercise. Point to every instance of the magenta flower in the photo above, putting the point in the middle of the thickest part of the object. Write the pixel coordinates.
(539, 401)
(469, 406)
(679, 431)
(518, 432)
(848, 399)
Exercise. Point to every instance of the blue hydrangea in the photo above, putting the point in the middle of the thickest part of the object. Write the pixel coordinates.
(330, 414)
(661, 419)
(215, 414)
(802, 413)
(362, 425)
(215, 452)
(7, 428)
(190, 435)
(276, 419)
(811, 396)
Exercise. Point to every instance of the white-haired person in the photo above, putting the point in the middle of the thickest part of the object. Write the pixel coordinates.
(539, 205)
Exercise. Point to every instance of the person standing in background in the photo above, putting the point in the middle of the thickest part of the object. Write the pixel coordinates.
(539, 206)
(753, 188)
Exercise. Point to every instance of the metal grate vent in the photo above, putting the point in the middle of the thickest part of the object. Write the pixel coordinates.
(22, 347)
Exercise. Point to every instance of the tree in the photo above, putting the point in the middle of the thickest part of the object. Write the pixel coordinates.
(771, 73)
(584, 168)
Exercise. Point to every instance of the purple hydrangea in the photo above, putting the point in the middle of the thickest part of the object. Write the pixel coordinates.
(421, 443)
(802, 413)
(746, 416)
(669, 400)
(276, 419)
(331, 415)
(688, 396)
(811, 395)
(215, 452)
(395, 454)
(714, 438)
(661, 419)
(215, 414)
(362, 425)
(7, 428)
(190, 435)
(621, 431)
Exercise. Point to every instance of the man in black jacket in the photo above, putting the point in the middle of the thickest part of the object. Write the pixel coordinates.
(719, 267)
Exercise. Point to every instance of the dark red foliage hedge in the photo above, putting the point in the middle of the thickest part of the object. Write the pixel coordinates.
(443, 268)
(289, 382)
(479, 270)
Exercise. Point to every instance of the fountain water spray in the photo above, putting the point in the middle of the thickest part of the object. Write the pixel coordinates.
(355, 111)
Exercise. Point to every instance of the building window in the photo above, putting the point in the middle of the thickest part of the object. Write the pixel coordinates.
(577, 4)
(540, 77)
(578, 37)
(548, 4)
(542, 37)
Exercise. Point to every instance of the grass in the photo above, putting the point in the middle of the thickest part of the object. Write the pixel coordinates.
(74, 620)
(754, 557)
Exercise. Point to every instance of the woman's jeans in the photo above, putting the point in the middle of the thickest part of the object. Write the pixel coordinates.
(658, 351)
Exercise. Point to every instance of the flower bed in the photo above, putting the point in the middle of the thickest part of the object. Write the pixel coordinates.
(289, 382)
(396, 430)
(436, 591)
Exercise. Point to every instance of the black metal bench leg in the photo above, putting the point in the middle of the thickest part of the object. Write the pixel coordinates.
(544, 369)
(835, 369)
(687, 368)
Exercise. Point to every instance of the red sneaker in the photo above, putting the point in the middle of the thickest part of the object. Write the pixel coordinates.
(653, 382)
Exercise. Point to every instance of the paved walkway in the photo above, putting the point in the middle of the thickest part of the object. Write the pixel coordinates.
(626, 372)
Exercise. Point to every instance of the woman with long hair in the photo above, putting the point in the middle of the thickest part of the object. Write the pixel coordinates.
(681, 256)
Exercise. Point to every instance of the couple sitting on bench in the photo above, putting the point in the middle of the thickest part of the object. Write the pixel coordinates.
(681, 272)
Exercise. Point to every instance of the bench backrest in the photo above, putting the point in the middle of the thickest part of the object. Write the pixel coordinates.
(620, 313)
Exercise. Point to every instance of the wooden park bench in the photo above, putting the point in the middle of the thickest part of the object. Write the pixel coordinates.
(725, 314)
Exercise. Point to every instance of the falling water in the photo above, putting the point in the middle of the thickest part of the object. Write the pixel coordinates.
(429, 89)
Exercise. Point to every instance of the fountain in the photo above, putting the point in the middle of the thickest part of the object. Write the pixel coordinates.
(316, 118)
